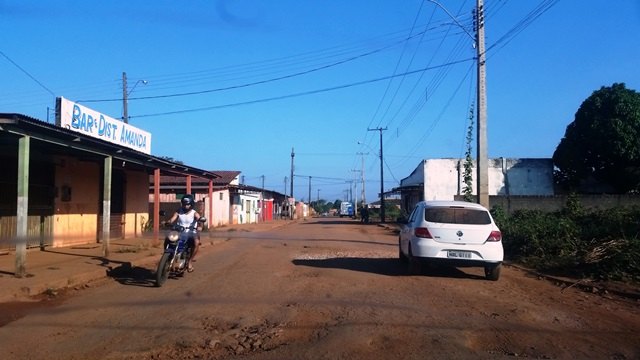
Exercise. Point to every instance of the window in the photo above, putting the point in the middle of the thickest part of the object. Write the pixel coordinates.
(457, 216)
(412, 217)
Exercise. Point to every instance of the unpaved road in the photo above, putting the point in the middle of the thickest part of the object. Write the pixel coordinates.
(324, 289)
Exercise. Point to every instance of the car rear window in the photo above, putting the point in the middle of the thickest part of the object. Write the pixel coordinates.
(457, 216)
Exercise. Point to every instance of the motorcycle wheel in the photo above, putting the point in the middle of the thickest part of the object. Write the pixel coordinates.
(162, 274)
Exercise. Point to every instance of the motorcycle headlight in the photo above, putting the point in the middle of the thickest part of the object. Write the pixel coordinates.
(173, 236)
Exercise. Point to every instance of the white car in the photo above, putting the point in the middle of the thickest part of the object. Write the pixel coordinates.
(455, 233)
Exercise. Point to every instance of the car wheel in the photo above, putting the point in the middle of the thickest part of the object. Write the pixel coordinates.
(415, 266)
(403, 258)
(492, 272)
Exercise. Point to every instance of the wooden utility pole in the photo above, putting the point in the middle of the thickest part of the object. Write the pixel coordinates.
(125, 101)
(262, 205)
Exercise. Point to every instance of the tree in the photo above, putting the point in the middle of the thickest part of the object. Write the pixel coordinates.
(336, 204)
(169, 158)
(603, 142)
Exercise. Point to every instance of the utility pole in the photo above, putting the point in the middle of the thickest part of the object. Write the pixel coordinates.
(356, 190)
(262, 207)
(309, 194)
(483, 161)
(382, 220)
(125, 111)
(125, 96)
(286, 204)
(364, 199)
(293, 205)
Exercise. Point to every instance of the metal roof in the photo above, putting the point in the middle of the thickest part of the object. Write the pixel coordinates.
(66, 140)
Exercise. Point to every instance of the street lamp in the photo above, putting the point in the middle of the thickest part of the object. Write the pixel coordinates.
(125, 96)
(483, 157)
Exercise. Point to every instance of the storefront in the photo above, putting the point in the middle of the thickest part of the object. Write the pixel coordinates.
(62, 187)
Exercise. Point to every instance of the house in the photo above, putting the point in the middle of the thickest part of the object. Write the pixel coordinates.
(443, 179)
(172, 189)
(232, 202)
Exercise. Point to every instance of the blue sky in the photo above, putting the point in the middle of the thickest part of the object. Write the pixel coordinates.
(235, 85)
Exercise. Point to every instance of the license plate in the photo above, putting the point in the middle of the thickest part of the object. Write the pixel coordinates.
(459, 254)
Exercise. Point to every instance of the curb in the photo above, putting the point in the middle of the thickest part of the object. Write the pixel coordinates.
(68, 282)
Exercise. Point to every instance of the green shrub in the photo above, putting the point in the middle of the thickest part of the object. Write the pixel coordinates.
(600, 244)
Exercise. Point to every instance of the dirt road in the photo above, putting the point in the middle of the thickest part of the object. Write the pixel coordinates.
(324, 289)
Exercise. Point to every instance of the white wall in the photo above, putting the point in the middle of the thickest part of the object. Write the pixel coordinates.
(245, 209)
(221, 209)
(443, 178)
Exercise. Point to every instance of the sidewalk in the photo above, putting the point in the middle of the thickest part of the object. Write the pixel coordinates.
(75, 266)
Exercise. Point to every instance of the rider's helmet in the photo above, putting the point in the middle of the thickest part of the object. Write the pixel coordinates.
(187, 200)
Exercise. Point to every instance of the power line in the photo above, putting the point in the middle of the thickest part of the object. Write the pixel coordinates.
(395, 70)
(524, 23)
(266, 81)
(27, 73)
(304, 93)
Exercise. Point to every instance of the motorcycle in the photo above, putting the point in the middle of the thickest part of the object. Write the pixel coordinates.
(178, 248)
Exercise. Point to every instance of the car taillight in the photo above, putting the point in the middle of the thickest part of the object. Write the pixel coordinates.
(422, 233)
(495, 236)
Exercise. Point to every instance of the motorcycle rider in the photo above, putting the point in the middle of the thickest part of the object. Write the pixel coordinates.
(187, 216)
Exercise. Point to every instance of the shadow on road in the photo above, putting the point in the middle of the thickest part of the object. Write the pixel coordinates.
(335, 222)
(382, 266)
(134, 276)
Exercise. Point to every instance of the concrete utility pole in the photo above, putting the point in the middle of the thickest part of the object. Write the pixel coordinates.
(382, 220)
(483, 161)
(482, 170)
(125, 96)
(364, 199)
(355, 211)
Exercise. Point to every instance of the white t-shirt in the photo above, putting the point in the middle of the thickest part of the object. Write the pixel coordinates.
(186, 218)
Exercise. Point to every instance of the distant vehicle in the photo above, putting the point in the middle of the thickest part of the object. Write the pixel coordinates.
(346, 209)
(454, 233)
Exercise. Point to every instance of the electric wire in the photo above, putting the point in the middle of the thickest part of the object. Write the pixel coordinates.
(304, 93)
(27, 73)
